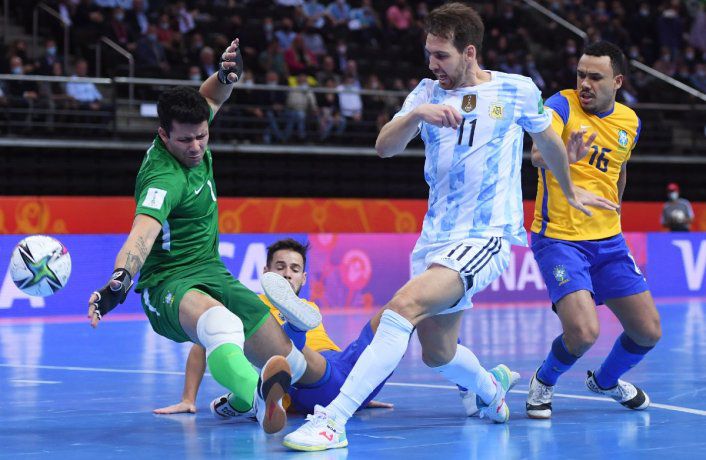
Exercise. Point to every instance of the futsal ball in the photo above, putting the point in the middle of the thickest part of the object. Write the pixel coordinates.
(40, 265)
(678, 216)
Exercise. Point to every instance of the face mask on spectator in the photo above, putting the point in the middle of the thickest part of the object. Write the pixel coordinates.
(195, 77)
(701, 73)
(342, 49)
(164, 25)
(119, 17)
(51, 51)
(690, 56)
(152, 37)
(269, 27)
(17, 70)
(673, 195)
(644, 11)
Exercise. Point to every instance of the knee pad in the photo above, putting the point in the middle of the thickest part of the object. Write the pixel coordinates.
(217, 326)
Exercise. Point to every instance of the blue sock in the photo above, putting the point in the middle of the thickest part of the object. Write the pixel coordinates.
(558, 361)
(623, 357)
(298, 337)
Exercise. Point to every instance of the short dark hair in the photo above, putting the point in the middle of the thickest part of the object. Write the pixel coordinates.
(288, 244)
(604, 48)
(183, 104)
(457, 22)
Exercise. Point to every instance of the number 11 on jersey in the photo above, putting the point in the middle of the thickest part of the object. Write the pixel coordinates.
(470, 132)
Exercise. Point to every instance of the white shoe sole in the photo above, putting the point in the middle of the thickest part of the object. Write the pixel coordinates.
(297, 312)
(320, 447)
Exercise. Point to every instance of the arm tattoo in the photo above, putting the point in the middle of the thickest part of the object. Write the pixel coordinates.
(134, 261)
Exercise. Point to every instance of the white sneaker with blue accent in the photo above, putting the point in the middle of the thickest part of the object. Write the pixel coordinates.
(623, 392)
(320, 432)
(296, 311)
(497, 409)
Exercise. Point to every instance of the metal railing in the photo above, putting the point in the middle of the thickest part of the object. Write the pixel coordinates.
(671, 133)
(635, 63)
(43, 7)
(123, 52)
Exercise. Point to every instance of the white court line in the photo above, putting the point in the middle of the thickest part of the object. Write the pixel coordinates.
(34, 382)
(670, 407)
(686, 410)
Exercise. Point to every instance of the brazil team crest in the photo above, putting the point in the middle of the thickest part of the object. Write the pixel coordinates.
(560, 275)
(623, 139)
(469, 102)
(497, 111)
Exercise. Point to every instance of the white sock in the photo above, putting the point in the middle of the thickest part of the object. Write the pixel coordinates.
(297, 362)
(378, 361)
(465, 370)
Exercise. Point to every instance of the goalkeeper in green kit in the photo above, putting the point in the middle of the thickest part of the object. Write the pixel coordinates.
(187, 292)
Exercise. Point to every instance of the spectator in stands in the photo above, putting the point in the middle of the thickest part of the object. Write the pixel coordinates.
(88, 25)
(84, 95)
(119, 31)
(670, 28)
(54, 93)
(399, 16)
(17, 48)
(165, 32)
(365, 23)
(194, 74)
(338, 14)
(328, 71)
(21, 94)
(273, 100)
(677, 213)
(185, 18)
(272, 59)
(315, 13)
(285, 34)
(313, 41)
(665, 64)
(342, 55)
(45, 64)
(150, 56)
(207, 62)
(299, 59)
(300, 102)
(697, 36)
(349, 99)
(330, 118)
(193, 50)
(698, 80)
(137, 18)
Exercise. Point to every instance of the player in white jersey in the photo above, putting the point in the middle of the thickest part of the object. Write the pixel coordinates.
(472, 124)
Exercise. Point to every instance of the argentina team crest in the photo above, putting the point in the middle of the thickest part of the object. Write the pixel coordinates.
(560, 275)
(497, 110)
(469, 102)
(623, 139)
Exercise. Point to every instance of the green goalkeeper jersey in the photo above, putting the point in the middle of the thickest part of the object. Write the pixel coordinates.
(183, 200)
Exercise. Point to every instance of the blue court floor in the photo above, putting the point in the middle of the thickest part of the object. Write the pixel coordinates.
(67, 391)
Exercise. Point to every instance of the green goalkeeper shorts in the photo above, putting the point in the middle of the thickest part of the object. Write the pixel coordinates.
(161, 302)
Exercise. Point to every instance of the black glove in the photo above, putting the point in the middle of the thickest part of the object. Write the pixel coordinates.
(110, 296)
(237, 70)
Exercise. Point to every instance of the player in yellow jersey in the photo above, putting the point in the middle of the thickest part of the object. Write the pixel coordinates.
(287, 259)
(586, 262)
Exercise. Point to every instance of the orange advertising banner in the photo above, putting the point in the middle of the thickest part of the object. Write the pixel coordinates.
(91, 215)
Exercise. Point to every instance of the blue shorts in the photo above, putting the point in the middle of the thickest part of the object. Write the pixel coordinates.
(340, 363)
(604, 267)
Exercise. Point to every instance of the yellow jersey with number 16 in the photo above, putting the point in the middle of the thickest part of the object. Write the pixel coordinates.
(617, 133)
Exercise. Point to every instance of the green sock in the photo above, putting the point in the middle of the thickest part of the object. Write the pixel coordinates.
(231, 369)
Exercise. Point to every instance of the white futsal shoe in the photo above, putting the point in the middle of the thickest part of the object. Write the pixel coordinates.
(624, 392)
(497, 410)
(296, 311)
(320, 432)
(539, 399)
(471, 401)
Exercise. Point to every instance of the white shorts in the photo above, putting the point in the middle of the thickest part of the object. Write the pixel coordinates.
(478, 261)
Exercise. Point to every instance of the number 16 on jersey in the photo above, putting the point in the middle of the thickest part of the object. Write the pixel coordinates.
(466, 131)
